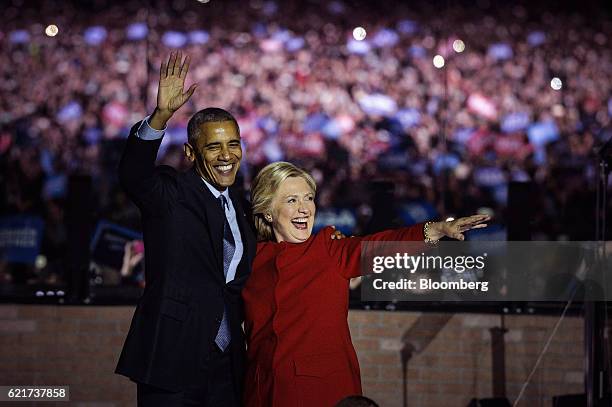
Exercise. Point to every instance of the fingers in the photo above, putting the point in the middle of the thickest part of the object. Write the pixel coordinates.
(163, 70)
(175, 66)
(178, 56)
(471, 221)
(189, 92)
(458, 236)
(170, 65)
(480, 226)
(185, 67)
(475, 218)
(470, 227)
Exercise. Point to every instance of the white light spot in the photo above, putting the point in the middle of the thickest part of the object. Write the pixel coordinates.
(51, 30)
(458, 46)
(359, 33)
(438, 61)
(203, 1)
(556, 83)
(450, 219)
(40, 262)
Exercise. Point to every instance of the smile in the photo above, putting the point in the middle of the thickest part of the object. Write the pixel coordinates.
(224, 169)
(300, 223)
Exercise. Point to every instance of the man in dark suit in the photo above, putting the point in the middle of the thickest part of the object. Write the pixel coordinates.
(186, 345)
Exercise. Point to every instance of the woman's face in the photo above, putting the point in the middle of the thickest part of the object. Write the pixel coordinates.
(293, 211)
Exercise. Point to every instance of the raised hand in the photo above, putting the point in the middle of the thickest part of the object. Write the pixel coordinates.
(455, 228)
(170, 95)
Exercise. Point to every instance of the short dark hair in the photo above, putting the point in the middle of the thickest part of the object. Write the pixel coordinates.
(210, 114)
(356, 401)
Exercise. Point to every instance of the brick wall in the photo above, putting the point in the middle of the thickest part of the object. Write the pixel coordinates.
(79, 346)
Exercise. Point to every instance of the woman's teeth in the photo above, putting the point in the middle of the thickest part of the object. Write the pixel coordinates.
(300, 223)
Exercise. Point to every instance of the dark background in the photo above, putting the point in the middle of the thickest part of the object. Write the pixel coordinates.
(390, 139)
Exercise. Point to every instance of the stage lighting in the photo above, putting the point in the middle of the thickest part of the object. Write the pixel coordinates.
(556, 83)
(458, 46)
(51, 30)
(438, 61)
(203, 1)
(359, 33)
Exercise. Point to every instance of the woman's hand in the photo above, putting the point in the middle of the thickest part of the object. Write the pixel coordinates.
(337, 235)
(455, 228)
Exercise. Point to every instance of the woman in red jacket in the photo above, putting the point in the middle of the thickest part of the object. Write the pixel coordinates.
(296, 299)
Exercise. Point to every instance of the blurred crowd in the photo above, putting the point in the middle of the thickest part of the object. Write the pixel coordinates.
(386, 134)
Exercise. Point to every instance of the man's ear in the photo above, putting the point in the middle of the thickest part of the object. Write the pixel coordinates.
(189, 152)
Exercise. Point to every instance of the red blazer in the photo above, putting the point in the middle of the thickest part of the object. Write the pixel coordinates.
(296, 302)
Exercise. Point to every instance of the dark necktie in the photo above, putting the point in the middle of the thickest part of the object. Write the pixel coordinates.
(224, 337)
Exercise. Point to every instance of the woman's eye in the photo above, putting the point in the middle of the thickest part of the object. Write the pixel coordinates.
(291, 200)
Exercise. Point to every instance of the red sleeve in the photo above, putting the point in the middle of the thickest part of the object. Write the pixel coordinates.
(347, 252)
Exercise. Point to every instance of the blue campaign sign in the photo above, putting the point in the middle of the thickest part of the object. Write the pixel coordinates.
(541, 133)
(343, 219)
(20, 238)
(514, 122)
(108, 243)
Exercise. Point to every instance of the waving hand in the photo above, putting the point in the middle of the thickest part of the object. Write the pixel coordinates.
(170, 95)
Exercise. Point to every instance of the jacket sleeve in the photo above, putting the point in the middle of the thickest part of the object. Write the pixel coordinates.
(347, 252)
(153, 189)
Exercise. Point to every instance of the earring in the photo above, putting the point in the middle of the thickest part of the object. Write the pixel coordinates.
(268, 218)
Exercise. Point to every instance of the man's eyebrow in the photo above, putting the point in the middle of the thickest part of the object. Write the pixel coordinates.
(218, 143)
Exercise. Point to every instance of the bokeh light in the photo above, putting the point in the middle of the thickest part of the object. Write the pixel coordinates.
(438, 61)
(359, 33)
(556, 83)
(458, 46)
(51, 30)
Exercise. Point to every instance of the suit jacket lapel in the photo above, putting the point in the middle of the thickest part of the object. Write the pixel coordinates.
(206, 202)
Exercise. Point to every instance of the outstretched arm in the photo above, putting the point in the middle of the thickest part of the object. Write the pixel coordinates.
(150, 188)
(347, 252)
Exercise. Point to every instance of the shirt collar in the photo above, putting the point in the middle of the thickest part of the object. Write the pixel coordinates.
(216, 193)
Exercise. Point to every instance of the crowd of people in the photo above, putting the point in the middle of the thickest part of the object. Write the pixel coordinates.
(394, 138)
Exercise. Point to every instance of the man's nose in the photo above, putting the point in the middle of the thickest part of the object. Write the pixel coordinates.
(225, 154)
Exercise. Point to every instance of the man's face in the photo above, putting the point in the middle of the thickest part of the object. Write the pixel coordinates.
(217, 153)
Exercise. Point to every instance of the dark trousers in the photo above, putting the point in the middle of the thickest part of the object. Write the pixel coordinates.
(218, 390)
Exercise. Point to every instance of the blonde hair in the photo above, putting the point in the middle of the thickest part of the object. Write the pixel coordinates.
(263, 189)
